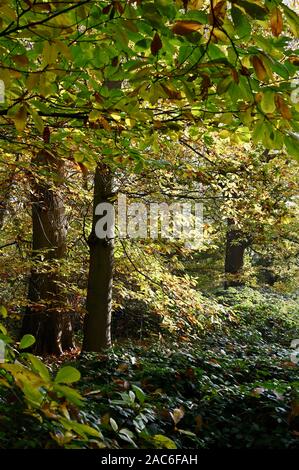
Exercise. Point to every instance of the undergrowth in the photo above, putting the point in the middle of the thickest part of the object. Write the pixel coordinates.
(234, 385)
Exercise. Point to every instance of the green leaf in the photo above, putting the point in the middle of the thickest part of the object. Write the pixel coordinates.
(33, 394)
(255, 11)
(39, 367)
(258, 131)
(67, 374)
(242, 25)
(292, 19)
(49, 53)
(197, 15)
(280, 69)
(80, 428)
(292, 146)
(267, 102)
(163, 442)
(26, 341)
(39, 124)
(3, 311)
(141, 396)
(214, 52)
(114, 424)
(3, 329)
(70, 394)
(224, 85)
(127, 435)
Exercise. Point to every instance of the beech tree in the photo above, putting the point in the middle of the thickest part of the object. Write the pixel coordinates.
(46, 318)
(97, 323)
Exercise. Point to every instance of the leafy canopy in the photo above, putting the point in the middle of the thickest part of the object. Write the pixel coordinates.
(134, 66)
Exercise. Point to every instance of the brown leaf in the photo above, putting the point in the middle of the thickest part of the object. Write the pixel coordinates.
(205, 85)
(259, 68)
(235, 75)
(122, 384)
(294, 60)
(258, 97)
(172, 94)
(282, 107)
(219, 11)
(287, 364)
(156, 44)
(276, 21)
(119, 7)
(107, 9)
(123, 367)
(186, 27)
(21, 60)
(244, 71)
(46, 135)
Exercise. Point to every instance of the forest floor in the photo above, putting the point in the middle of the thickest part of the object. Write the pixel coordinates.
(234, 386)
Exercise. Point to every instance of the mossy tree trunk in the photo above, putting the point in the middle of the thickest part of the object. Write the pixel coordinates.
(46, 318)
(236, 244)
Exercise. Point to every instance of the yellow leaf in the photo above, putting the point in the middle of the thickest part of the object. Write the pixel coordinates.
(20, 119)
(177, 415)
(186, 27)
(63, 49)
(224, 134)
(116, 116)
(94, 115)
(8, 12)
(218, 34)
(49, 54)
(195, 4)
(130, 122)
(267, 102)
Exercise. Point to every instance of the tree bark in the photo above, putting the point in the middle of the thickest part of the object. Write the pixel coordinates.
(236, 244)
(45, 317)
(97, 322)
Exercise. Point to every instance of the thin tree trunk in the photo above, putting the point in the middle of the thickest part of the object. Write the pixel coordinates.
(97, 323)
(5, 193)
(45, 317)
(236, 244)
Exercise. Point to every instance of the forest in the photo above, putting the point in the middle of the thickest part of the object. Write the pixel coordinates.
(149, 156)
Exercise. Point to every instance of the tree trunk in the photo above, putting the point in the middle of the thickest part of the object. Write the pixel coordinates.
(6, 185)
(236, 243)
(97, 323)
(45, 317)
